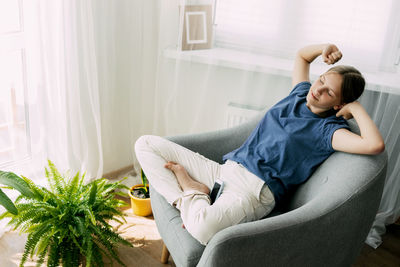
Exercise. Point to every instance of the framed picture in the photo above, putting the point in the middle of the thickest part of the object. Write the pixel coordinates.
(197, 27)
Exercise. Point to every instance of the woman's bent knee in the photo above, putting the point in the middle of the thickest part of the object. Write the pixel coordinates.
(142, 143)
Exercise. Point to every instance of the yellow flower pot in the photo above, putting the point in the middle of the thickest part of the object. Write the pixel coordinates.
(140, 206)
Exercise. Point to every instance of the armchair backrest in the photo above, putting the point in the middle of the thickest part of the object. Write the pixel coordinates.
(340, 177)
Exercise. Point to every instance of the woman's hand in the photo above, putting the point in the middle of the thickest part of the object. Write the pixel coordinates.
(369, 141)
(346, 110)
(331, 54)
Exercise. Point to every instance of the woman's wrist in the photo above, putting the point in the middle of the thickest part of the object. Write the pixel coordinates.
(356, 108)
(311, 52)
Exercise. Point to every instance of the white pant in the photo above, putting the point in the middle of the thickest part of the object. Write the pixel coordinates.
(245, 196)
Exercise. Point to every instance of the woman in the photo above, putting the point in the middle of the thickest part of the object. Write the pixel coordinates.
(295, 136)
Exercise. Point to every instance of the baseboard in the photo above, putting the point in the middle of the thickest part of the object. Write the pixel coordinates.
(114, 174)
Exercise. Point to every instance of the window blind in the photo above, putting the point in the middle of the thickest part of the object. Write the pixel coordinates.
(279, 28)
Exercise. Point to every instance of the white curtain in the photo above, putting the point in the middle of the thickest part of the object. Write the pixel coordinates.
(90, 68)
(384, 108)
(62, 88)
(198, 90)
(63, 113)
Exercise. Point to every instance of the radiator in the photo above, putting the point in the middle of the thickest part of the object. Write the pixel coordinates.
(240, 113)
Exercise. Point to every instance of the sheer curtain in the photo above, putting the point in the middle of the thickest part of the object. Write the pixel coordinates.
(63, 113)
(384, 108)
(250, 66)
(62, 98)
(90, 78)
(67, 92)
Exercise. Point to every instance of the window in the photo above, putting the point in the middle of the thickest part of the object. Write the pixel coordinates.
(14, 126)
(362, 29)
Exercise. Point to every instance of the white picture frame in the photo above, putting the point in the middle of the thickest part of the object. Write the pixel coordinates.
(196, 27)
(189, 18)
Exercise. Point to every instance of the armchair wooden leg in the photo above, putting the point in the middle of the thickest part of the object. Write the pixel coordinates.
(164, 254)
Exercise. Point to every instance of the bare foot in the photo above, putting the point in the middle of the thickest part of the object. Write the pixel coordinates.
(184, 179)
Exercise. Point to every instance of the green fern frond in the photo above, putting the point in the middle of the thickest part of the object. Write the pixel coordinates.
(33, 239)
(108, 238)
(81, 183)
(52, 198)
(27, 215)
(70, 255)
(49, 180)
(104, 252)
(44, 244)
(79, 244)
(97, 255)
(89, 253)
(37, 191)
(123, 193)
(6, 187)
(80, 225)
(92, 196)
(90, 217)
(41, 259)
(55, 179)
(6, 214)
(42, 248)
(114, 237)
(53, 259)
(104, 239)
(73, 185)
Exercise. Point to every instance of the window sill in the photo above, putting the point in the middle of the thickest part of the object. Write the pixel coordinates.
(272, 65)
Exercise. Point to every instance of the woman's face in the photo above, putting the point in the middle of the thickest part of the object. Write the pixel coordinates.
(325, 93)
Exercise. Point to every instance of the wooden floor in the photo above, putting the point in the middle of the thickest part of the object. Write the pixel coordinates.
(147, 245)
(386, 255)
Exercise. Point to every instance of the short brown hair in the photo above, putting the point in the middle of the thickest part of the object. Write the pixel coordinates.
(353, 83)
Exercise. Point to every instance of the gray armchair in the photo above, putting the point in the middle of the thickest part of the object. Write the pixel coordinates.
(325, 223)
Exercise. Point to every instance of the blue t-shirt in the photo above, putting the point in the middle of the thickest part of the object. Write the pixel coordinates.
(288, 144)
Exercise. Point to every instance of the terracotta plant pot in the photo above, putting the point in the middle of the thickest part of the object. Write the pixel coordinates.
(140, 206)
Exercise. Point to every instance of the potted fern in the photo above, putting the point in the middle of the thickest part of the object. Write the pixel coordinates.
(140, 197)
(66, 224)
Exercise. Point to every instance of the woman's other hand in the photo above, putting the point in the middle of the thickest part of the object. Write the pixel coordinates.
(346, 110)
(331, 54)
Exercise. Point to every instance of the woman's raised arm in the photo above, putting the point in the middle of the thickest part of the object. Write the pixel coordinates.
(301, 71)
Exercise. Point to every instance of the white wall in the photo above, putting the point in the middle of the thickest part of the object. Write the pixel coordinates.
(127, 58)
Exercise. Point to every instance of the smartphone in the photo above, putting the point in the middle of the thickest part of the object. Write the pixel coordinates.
(217, 190)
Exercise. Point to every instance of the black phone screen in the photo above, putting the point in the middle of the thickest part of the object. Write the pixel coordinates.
(214, 192)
